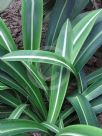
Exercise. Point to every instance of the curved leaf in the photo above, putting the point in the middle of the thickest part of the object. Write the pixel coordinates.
(97, 104)
(84, 110)
(81, 31)
(17, 112)
(90, 46)
(38, 56)
(94, 76)
(6, 79)
(93, 90)
(6, 39)
(8, 99)
(80, 130)
(39, 79)
(51, 127)
(19, 73)
(14, 127)
(3, 86)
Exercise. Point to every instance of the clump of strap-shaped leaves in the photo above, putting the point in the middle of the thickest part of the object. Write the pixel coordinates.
(27, 102)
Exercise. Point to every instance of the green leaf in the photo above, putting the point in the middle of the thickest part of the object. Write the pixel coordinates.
(82, 80)
(81, 31)
(8, 99)
(6, 79)
(3, 86)
(77, 8)
(97, 104)
(17, 112)
(94, 76)
(93, 90)
(51, 127)
(38, 56)
(9, 45)
(32, 16)
(80, 16)
(80, 130)
(60, 76)
(67, 113)
(6, 39)
(64, 42)
(84, 110)
(90, 46)
(4, 5)
(39, 79)
(4, 111)
(14, 127)
(61, 11)
(61, 124)
(19, 73)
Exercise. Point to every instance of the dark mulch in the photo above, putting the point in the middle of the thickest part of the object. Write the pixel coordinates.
(12, 17)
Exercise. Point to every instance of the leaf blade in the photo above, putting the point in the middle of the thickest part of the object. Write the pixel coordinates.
(81, 30)
(32, 16)
(84, 110)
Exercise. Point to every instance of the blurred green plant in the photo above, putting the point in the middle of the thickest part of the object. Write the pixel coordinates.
(28, 102)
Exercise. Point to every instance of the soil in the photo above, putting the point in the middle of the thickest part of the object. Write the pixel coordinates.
(12, 17)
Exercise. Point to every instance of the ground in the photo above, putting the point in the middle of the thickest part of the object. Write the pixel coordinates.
(12, 17)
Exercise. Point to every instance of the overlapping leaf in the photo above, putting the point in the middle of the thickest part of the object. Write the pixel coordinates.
(81, 31)
(60, 76)
(8, 99)
(94, 76)
(84, 110)
(80, 130)
(93, 90)
(17, 69)
(13, 127)
(38, 56)
(90, 46)
(17, 112)
(3, 86)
